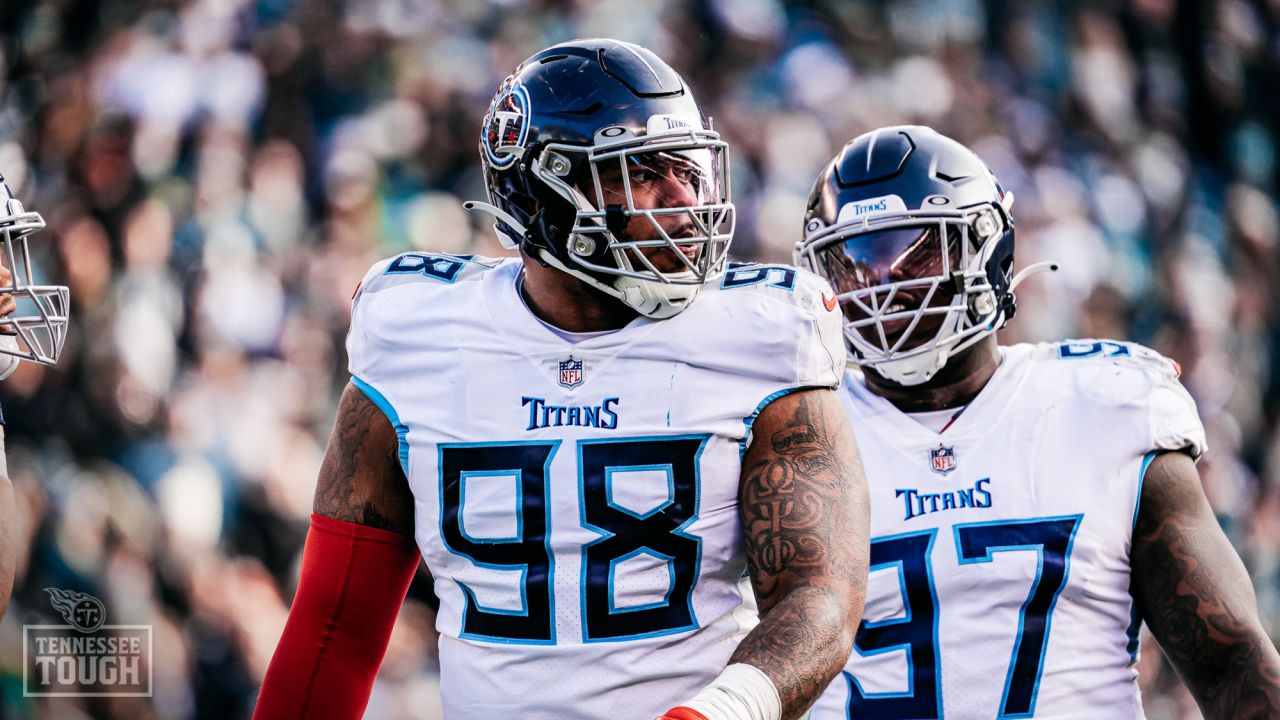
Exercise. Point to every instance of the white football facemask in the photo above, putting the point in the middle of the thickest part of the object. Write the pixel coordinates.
(37, 330)
(913, 286)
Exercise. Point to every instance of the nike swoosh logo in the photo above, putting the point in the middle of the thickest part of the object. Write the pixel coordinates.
(829, 302)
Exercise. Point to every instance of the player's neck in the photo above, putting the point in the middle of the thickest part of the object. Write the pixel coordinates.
(561, 300)
(955, 385)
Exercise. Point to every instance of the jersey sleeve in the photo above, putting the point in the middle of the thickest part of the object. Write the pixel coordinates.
(1141, 379)
(1173, 418)
(1175, 423)
(776, 328)
(361, 346)
(379, 308)
(820, 360)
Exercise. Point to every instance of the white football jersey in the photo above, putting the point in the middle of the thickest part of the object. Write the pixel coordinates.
(577, 503)
(999, 583)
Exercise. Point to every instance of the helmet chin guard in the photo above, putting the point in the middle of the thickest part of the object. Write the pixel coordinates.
(909, 371)
(651, 299)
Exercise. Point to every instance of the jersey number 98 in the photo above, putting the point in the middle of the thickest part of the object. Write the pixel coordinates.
(623, 534)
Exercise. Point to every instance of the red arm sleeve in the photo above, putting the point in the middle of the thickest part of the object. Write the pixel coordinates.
(354, 579)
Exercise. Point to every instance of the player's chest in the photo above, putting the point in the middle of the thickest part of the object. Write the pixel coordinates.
(982, 540)
(999, 508)
(1009, 471)
(490, 394)
(503, 447)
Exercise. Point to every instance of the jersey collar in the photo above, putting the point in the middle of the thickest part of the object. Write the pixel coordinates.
(977, 419)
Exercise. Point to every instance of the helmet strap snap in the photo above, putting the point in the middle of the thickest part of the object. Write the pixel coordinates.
(981, 305)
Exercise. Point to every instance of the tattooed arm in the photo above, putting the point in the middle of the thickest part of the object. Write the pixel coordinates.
(804, 508)
(1195, 595)
(356, 568)
(361, 480)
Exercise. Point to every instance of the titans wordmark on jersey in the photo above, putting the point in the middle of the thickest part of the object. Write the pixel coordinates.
(999, 583)
(577, 502)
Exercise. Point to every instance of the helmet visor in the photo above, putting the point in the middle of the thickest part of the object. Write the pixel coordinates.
(660, 179)
(890, 256)
(896, 281)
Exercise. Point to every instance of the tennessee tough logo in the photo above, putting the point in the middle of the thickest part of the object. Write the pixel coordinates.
(506, 126)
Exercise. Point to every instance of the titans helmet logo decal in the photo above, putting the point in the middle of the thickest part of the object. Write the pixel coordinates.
(506, 126)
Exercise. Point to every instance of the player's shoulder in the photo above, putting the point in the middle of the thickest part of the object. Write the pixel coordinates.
(435, 288)
(438, 291)
(772, 298)
(428, 272)
(1087, 354)
(767, 285)
(780, 314)
(1106, 373)
(1117, 383)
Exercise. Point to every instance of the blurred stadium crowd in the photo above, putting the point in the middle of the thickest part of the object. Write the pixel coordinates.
(218, 174)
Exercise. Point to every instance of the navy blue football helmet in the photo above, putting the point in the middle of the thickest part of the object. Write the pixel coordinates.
(599, 162)
(914, 233)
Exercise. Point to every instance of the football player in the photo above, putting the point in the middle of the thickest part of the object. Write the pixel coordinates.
(593, 444)
(1031, 504)
(37, 333)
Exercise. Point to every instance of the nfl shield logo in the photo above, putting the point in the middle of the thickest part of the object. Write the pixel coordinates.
(571, 372)
(943, 459)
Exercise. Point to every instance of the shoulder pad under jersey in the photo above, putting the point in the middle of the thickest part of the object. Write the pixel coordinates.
(1116, 373)
(803, 297)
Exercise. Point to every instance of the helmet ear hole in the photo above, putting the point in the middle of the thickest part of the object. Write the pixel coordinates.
(551, 225)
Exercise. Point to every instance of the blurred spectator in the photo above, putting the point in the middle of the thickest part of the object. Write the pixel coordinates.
(218, 174)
